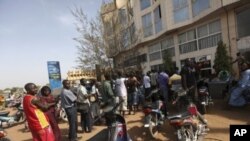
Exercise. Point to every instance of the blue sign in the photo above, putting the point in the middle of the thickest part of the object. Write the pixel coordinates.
(54, 74)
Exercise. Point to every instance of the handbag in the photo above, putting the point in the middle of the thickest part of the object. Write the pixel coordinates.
(82, 107)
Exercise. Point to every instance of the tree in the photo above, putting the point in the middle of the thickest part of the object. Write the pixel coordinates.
(167, 61)
(91, 50)
(222, 59)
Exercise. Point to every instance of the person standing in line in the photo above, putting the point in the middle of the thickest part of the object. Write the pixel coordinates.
(37, 121)
(146, 84)
(132, 84)
(94, 102)
(121, 91)
(47, 98)
(189, 79)
(68, 102)
(106, 91)
(153, 78)
(163, 79)
(83, 106)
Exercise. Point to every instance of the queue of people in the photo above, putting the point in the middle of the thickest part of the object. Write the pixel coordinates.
(131, 88)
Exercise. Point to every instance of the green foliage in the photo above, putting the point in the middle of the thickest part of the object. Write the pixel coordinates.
(167, 61)
(222, 59)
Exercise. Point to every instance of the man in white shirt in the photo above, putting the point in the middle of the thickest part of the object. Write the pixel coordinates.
(121, 90)
(83, 105)
(146, 84)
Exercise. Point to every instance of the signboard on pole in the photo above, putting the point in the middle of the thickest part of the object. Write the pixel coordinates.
(54, 75)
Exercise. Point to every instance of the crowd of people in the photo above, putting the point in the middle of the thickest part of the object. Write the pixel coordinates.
(132, 89)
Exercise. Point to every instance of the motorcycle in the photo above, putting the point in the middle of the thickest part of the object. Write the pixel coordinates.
(116, 124)
(3, 135)
(154, 117)
(60, 112)
(17, 117)
(204, 98)
(187, 123)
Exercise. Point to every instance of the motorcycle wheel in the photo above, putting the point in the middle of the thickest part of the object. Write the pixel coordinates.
(153, 125)
(111, 133)
(4, 139)
(203, 109)
(63, 115)
(187, 134)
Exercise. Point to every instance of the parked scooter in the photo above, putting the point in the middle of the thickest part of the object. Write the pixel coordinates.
(204, 98)
(60, 112)
(154, 117)
(18, 117)
(116, 124)
(3, 135)
(188, 124)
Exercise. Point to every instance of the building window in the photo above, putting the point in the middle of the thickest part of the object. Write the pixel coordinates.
(155, 52)
(168, 45)
(243, 22)
(123, 16)
(145, 4)
(125, 38)
(199, 5)
(181, 12)
(132, 33)
(147, 25)
(142, 58)
(158, 67)
(209, 35)
(187, 41)
(108, 30)
(157, 19)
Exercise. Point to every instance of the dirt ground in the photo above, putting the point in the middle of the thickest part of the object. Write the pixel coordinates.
(219, 120)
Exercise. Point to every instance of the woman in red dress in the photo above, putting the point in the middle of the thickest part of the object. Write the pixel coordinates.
(46, 98)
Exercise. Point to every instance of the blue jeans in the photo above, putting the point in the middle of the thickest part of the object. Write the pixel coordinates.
(164, 93)
(86, 122)
(72, 120)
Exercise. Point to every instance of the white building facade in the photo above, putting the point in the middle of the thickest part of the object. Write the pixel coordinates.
(185, 28)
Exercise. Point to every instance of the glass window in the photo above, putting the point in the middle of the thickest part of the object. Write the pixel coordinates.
(182, 38)
(188, 47)
(155, 56)
(167, 43)
(125, 38)
(180, 10)
(157, 19)
(202, 31)
(210, 41)
(171, 51)
(214, 27)
(145, 4)
(147, 25)
(199, 5)
(243, 22)
(142, 58)
(155, 47)
(123, 16)
(132, 33)
(191, 35)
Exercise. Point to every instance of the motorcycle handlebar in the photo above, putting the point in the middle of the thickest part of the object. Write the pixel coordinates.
(108, 110)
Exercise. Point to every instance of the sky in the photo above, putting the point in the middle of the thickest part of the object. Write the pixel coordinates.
(33, 32)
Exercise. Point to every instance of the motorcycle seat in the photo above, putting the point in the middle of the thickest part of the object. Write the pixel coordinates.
(147, 106)
(4, 114)
(178, 116)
